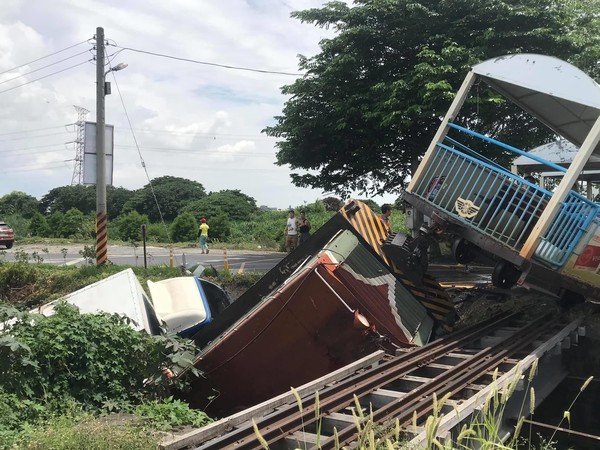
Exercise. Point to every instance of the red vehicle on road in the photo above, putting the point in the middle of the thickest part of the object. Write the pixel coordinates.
(7, 235)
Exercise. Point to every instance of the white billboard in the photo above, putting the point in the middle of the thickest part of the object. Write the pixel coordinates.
(89, 153)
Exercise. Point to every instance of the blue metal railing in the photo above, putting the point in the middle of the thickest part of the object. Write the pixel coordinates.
(485, 196)
(516, 150)
(574, 218)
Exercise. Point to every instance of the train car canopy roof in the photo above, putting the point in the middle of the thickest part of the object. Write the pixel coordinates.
(557, 93)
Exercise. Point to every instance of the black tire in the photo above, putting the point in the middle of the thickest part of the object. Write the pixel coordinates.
(505, 275)
(463, 251)
(9, 245)
(569, 299)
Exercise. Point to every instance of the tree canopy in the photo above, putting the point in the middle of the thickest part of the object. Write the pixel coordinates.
(233, 203)
(172, 193)
(19, 202)
(63, 198)
(373, 97)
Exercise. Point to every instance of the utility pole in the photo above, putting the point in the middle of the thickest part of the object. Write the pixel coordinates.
(79, 145)
(101, 216)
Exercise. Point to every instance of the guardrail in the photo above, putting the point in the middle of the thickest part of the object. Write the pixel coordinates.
(481, 195)
(485, 196)
(574, 218)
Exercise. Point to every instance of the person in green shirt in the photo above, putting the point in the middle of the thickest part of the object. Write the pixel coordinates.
(203, 235)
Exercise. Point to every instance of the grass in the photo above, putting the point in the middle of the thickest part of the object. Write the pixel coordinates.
(263, 231)
(86, 432)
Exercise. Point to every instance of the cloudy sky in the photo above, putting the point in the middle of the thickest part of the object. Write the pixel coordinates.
(190, 120)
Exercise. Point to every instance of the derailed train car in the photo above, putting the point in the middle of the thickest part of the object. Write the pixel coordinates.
(548, 240)
(333, 300)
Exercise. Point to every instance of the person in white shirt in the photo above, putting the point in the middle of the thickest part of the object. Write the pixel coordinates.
(291, 232)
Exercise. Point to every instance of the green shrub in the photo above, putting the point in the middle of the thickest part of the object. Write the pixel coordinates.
(129, 226)
(184, 228)
(220, 228)
(18, 223)
(95, 359)
(38, 225)
(168, 414)
(157, 232)
(73, 224)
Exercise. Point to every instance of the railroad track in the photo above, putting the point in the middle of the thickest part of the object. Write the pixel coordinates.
(396, 389)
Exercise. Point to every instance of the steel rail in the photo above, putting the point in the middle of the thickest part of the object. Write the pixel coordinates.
(290, 419)
(453, 380)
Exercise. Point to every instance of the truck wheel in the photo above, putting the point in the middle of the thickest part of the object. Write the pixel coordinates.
(463, 251)
(505, 275)
(569, 299)
(9, 245)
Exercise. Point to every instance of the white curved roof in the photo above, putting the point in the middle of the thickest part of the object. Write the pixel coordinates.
(560, 95)
(560, 152)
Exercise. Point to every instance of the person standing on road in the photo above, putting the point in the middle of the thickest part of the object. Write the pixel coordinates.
(291, 232)
(303, 228)
(203, 235)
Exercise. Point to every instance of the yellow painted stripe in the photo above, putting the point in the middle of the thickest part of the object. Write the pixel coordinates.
(449, 284)
(101, 239)
(368, 225)
(430, 293)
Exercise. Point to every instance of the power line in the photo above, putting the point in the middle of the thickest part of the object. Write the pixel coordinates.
(24, 138)
(224, 66)
(17, 154)
(34, 147)
(36, 129)
(44, 57)
(43, 67)
(198, 152)
(204, 134)
(45, 76)
(56, 165)
(162, 219)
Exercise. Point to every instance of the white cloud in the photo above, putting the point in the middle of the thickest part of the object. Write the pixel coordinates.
(232, 152)
(190, 120)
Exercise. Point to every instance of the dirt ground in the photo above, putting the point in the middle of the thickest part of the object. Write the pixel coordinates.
(477, 304)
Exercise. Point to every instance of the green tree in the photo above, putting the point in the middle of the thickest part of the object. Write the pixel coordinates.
(332, 203)
(129, 226)
(317, 207)
(38, 225)
(372, 99)
(172, 194)
(64, 198)
(233, 203)
(220, 227)
(55, 223)
(19, 203)
(73, 224)
(116, 198)
(372, 204)
(184, 228)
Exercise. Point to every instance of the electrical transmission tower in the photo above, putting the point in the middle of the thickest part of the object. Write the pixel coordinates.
(79, 145)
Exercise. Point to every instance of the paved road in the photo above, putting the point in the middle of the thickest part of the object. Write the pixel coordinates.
(447, 273)
(239, 261)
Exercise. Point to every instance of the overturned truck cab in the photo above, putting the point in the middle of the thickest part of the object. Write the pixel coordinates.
(335, 299)
(540, 238)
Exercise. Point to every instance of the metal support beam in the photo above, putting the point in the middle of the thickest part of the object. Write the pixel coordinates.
(567, 182)
(442, 131)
